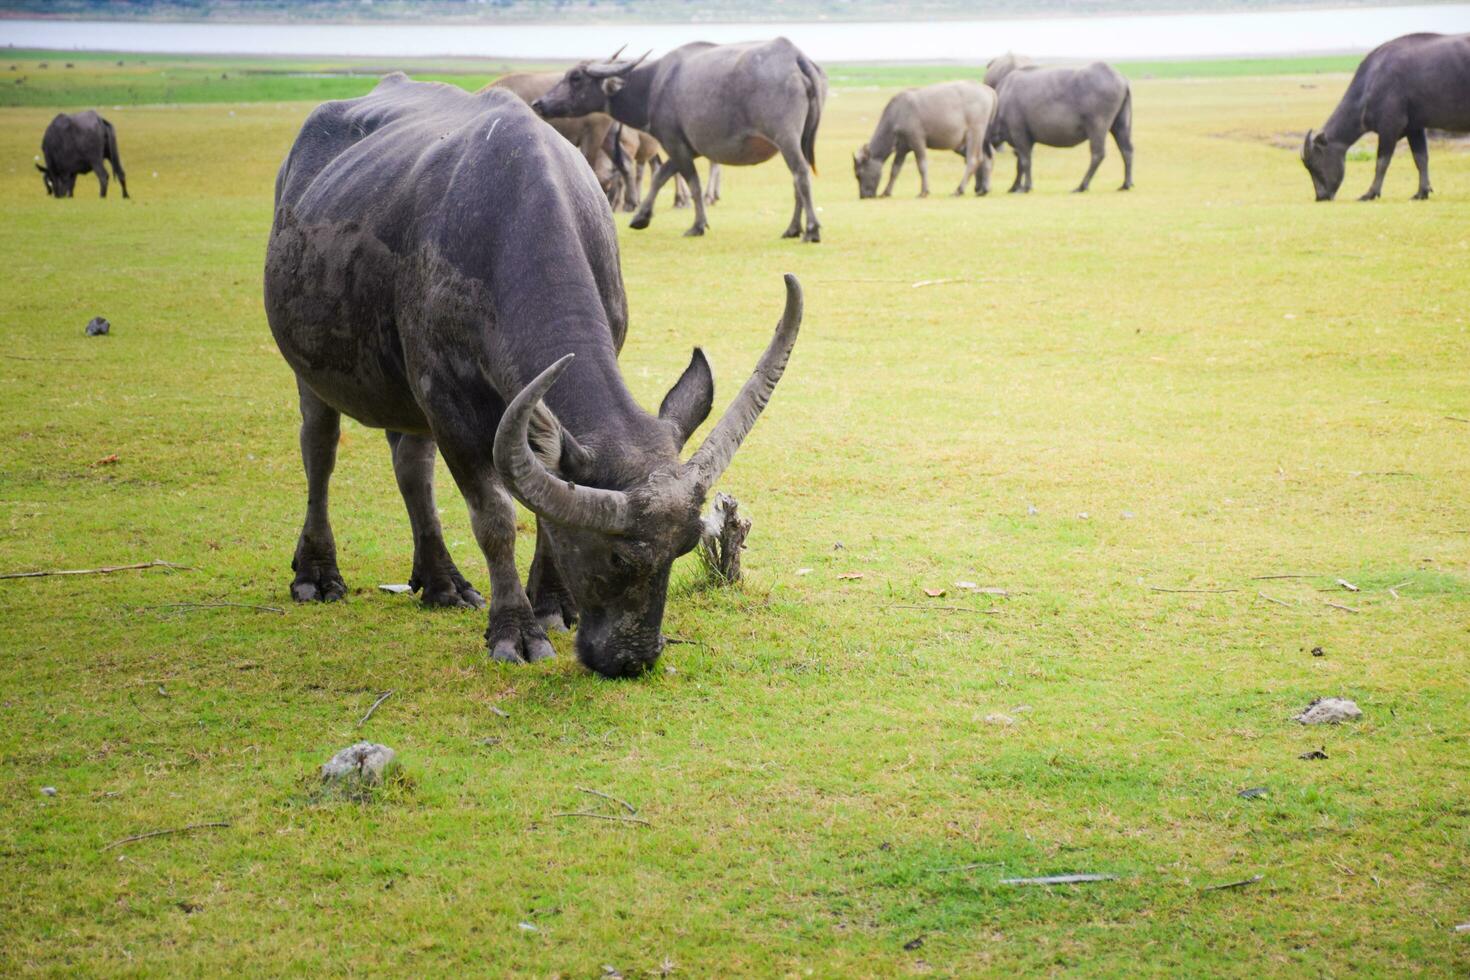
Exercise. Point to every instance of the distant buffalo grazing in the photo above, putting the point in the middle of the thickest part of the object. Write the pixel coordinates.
(443, 266)
(1001, 67)
(76, 144)
(1412, 83)
(737, 104)
(948, 116)
(1062, 107)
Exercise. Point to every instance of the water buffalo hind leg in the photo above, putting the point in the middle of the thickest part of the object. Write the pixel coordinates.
(1098, 144)
(645, 210)
(982, 175)
(435, 576)
(898, 158)
(1386, 142)
(921, 160)
(553, 605)
(1022, 183)
(972, 169)
(1124, 139)
(101, 174)
(315, 562)
(801, 180)
(1419, 146)
(513, 636)
(690, 174)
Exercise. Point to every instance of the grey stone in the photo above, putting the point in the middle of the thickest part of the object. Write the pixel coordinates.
(363, 764)
(49, 790)
(1329, 711)
(97, 326)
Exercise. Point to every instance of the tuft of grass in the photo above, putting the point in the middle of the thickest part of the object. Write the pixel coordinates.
(1186, 386)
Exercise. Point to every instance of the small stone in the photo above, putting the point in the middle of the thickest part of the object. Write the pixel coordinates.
(1329, 711)
(999, 719)
(1127, 515)
(526, 927)
(48, 790)
(360, 765)
(98, 326)
(1031, 510)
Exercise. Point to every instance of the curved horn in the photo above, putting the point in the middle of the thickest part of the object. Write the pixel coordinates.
(1306, 144)
(712, 458)
(616, 53)
(615, 68)
(533, 485)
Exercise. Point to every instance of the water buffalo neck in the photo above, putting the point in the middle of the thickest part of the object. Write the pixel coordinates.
(1345, 124)
(880, 146)
(590, 399)
(629, 105)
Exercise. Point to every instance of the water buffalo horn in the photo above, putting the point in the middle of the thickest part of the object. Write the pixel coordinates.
(1307, 144)
(710, 461)
(615, 68)
(532, 484)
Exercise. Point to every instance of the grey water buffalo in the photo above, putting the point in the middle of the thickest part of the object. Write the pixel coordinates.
(1063, 107)
(624, 144)
(999, 68)
(736, 104)
(948, 116)
(1402, 88)
(443, 266)
(79, 143)
(587, 133)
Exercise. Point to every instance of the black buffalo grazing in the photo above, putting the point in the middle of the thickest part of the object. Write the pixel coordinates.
(947, 116)
(1062, 107)
(438, 262)
(737, 104)
(1402, 88)
(76, 144)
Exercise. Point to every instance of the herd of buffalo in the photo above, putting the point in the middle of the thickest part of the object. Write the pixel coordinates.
(443, 265)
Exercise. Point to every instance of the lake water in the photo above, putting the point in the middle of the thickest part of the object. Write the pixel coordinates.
(1132, 36)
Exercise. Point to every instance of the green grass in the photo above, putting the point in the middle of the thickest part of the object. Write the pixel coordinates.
(1209, 379)
(107, 79)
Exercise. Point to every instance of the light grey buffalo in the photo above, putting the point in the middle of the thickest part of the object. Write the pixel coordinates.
(948, 116)
(737, 104)
(1062, 107)
(79, 143)
(443, 266)
(587, 133)
(1412, 83)
(1001, 67)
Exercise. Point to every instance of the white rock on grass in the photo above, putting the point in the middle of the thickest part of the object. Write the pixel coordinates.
(1329, 711)
(363, 764)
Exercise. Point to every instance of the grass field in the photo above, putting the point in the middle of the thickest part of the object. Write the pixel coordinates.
(1077, 399)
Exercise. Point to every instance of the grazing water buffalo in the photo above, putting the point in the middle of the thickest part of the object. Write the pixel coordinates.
(1412, 83)
(947, 116)
(78, 144)
(1063, 107)
(437, 262)
(737, 104)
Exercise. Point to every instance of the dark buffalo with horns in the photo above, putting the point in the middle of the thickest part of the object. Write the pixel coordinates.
(1403, 88)
(443, 265)
(75, 144)
(737, 104)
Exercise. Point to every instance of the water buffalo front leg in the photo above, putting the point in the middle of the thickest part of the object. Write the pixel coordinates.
(898, 158)
(1097, 141)
(551, 601)
(921, 160)
(1419, 146)
(645, 210)
(1022, 183)
(315, 562)
(696, 194)
(1386, 142)
(513, 636)
(435, 576)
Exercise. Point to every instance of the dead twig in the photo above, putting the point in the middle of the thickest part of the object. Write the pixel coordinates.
(1350, 609)
(1347, 585)
(914, 605)
(215, 605)
(1059, 879)
(970, 867)
(1233, 884)
(1456, 418)
(381, 698)
(1159, 588)
(1266, 578)
(104, 570)
(164, 833)
(615, 817)
(1278, 602)
(622, 803)
(499, 712)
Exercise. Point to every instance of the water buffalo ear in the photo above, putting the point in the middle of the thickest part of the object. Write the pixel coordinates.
(612, 86)
(40, 168)
(688, 403)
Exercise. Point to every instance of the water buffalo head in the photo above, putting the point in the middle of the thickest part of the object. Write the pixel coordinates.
(868, 169)
(615, 526)
(1326, 162)
(585, 88)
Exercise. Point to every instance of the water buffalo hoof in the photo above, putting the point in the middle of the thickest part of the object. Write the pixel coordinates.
(514, 637)
(694, 232)
(1127, 186)
(791, 233)
(812, 235)
(1370, 196)
(640, 221)
(318, 584)
(1079, 190)
(1422, 195)
(451, 594)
